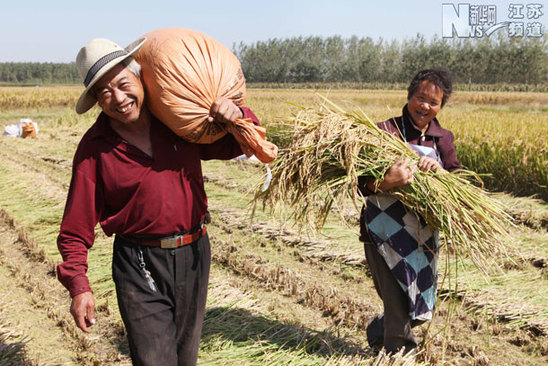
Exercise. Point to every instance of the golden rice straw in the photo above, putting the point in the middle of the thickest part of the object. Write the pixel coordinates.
(330, 149)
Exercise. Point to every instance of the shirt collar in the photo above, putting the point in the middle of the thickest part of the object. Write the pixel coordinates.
(103, 130)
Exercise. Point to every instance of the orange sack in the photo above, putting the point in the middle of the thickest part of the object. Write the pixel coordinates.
(28, 130)
(184, 72)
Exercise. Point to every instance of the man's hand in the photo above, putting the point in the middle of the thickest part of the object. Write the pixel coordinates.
(224, 110)
(83, 310)
(427, 163)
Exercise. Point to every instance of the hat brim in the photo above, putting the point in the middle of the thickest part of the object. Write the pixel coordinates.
(87, 100)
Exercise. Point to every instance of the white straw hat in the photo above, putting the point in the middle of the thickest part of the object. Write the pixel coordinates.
(95, 60)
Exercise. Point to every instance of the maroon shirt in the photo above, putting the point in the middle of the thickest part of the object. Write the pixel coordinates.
(130, 193)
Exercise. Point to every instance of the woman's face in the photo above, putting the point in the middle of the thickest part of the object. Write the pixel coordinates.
(424, 104)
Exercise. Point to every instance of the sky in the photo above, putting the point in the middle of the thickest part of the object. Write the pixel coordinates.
(54, 31)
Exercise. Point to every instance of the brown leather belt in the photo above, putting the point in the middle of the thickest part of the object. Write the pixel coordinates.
(170, 242)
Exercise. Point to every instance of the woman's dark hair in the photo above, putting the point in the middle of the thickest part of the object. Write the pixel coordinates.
(442, 79)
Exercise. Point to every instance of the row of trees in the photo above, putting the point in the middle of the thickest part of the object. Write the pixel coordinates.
(334, 59)
(39, 73)
(362, 60)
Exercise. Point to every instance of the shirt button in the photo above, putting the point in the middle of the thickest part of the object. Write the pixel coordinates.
(172, 251)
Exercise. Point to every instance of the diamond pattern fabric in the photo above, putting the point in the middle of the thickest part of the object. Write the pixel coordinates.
(409, 248)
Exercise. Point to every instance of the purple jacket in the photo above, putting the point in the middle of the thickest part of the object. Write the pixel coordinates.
(435, 137)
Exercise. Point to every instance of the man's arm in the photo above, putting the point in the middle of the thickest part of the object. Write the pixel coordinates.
(76, 236)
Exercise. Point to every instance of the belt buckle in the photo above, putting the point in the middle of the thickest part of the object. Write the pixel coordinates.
(170, 243)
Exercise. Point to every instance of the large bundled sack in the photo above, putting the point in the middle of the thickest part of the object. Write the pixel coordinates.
(25, 128)
(184, 72)
(28, 128)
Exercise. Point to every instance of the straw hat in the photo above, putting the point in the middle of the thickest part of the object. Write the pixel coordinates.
(95, 60)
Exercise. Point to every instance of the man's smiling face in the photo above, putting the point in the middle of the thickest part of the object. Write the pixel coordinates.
(120, 94)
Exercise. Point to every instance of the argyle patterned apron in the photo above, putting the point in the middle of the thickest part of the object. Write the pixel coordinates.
(408, 245)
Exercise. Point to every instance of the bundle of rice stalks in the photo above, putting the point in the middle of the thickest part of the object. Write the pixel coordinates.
(331, 148)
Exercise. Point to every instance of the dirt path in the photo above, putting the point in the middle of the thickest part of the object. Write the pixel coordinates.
(38, 305)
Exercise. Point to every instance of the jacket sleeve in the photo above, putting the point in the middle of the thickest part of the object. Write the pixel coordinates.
(77, 232)
(227, 147)
(363, 181)
(388, 126)
(448, 152)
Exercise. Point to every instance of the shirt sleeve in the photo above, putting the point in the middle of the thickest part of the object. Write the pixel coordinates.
(77, 232)
(248, 113)
(226, 147)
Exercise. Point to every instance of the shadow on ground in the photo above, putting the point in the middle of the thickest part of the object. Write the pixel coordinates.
(242, 328)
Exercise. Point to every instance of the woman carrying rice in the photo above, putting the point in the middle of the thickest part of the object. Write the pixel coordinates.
(401, 250)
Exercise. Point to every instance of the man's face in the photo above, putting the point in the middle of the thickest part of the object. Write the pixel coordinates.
(424, 104)
(120, 94)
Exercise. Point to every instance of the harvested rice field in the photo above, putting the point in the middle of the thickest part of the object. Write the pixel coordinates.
(277, 295)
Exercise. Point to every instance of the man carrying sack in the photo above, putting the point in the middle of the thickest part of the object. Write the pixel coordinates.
(143, 183)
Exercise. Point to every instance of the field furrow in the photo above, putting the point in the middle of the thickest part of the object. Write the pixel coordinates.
(39, 304)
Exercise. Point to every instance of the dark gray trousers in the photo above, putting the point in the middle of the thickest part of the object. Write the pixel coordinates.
(393, 328)
(163, 326)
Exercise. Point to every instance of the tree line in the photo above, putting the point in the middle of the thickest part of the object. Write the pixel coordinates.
(39, 73)
(354, 59)
(363, 60)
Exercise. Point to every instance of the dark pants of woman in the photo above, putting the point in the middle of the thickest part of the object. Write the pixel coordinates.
(393, 328)
(164, 325)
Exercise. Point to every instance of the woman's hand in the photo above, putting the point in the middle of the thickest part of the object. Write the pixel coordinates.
(399, 174)
(223, 110)
(427, 163)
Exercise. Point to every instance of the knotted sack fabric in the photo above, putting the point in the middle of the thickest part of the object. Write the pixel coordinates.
(28, 130)
(184, 72)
